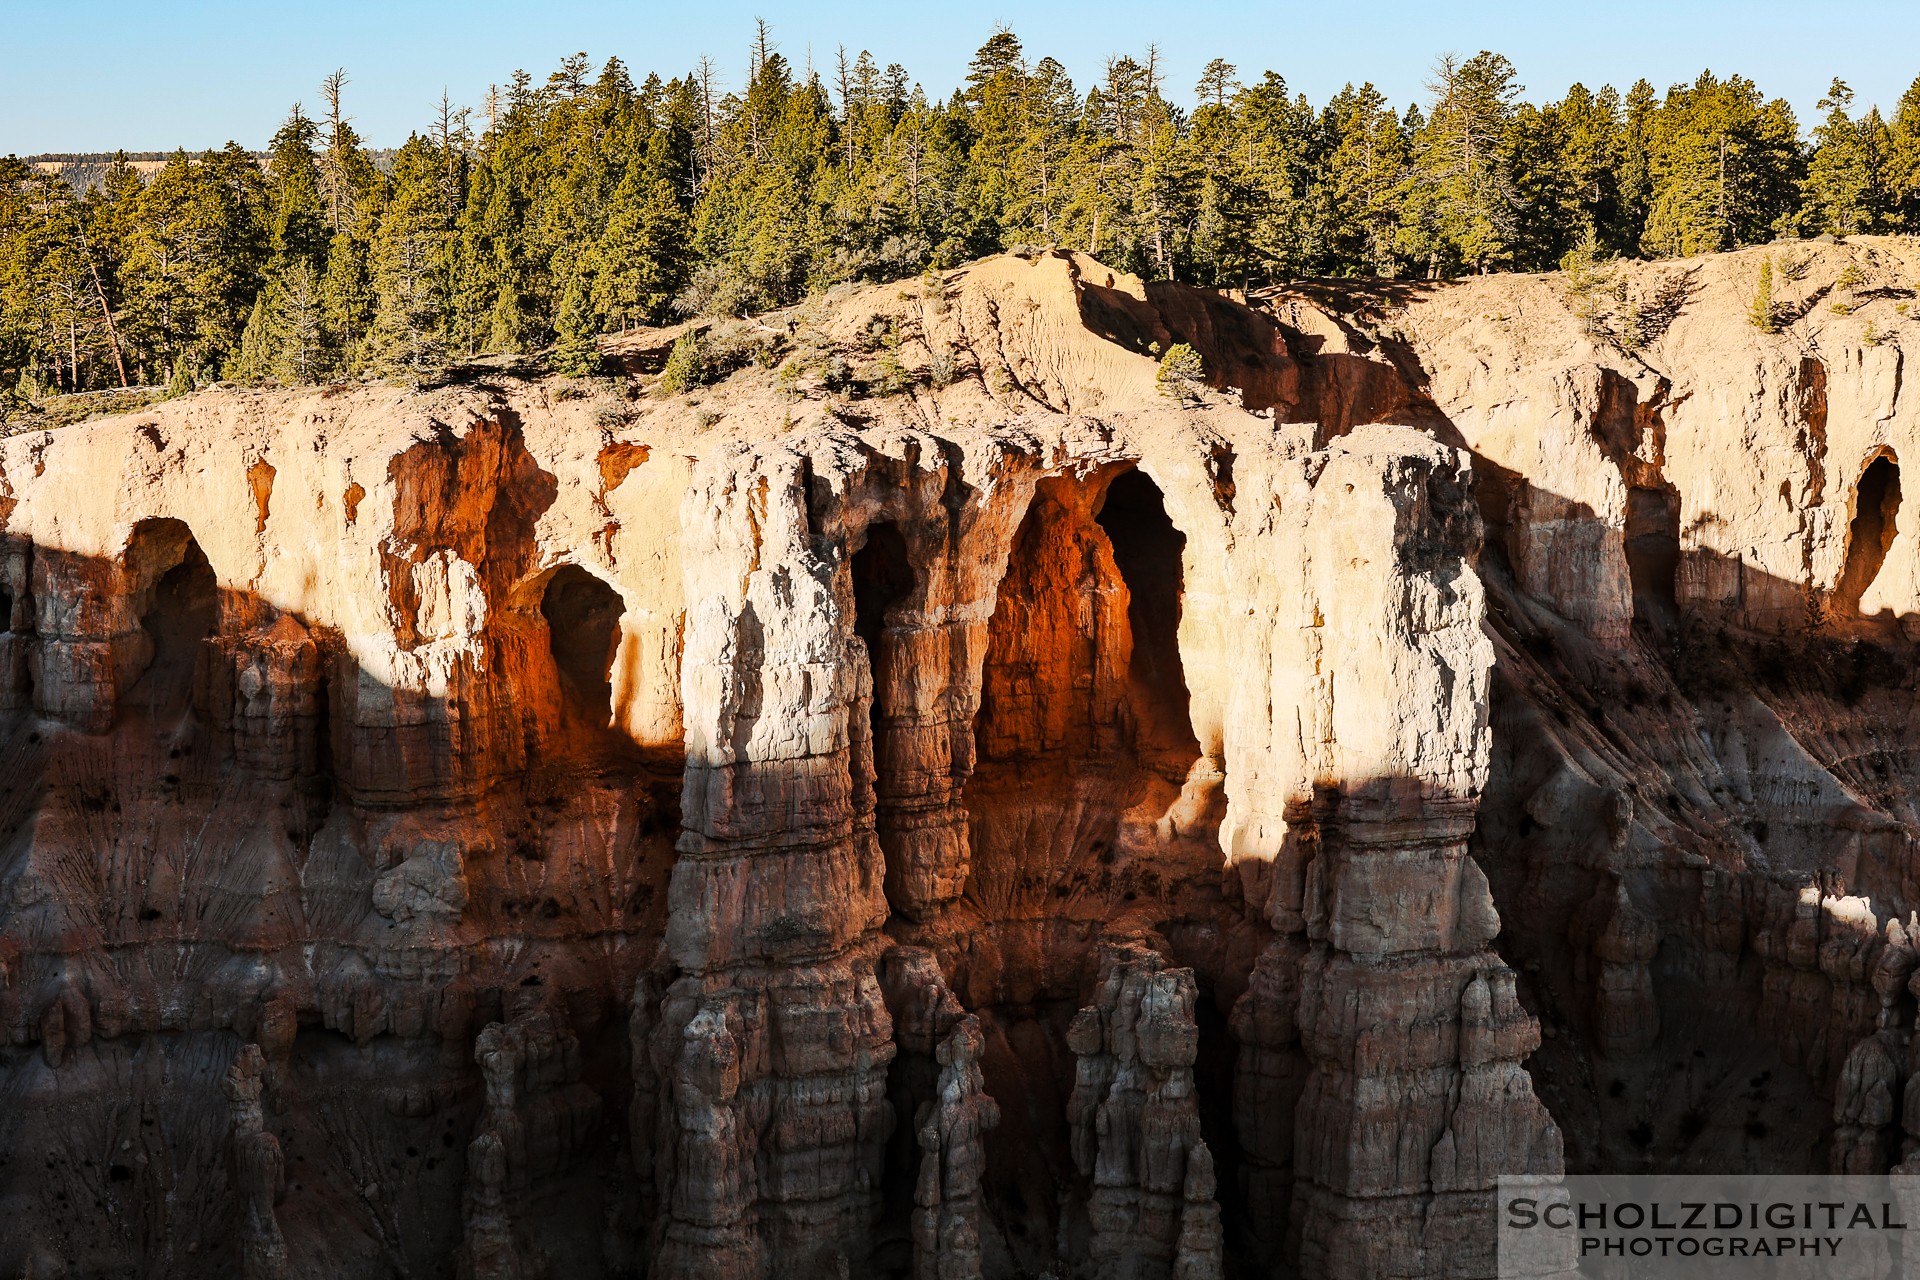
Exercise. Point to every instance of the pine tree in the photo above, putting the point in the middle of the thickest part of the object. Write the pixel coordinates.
(578, 350)
(494, 295)
(996, 103)
(1725, 167)
(296, 218)
(642, 256)
(1842, 191)
(1048, 112)
(1633, 172)
(1182, 373)
(1591, 141)
(1900, 166)
(255, 357)
(1217, 84)
(1259, 194)
(346, 291)
(1463, 195)
(345, 172)
(409, 268)
(1363, 172)
(1760, 312)
(759, 221)
(302, 351)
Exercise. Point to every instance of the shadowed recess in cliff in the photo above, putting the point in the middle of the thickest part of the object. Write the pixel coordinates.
(1653, 553)
(179, 605)
(1044, 805)
(193, 847)
(882, 578)
(1147, 551)
(1875, 510)
(1084, 745)
(583, 633)
(1054, 688)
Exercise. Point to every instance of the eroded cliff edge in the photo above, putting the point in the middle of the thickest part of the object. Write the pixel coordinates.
(931, 803)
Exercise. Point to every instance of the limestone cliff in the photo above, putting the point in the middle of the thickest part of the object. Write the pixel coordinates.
(935, 802)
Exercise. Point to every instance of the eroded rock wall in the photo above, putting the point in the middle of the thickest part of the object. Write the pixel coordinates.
(973, 813)
(1697, 820)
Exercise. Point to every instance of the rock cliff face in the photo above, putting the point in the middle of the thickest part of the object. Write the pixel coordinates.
(935, 804)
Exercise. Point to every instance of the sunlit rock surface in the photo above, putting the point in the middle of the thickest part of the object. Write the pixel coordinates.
(939, 803)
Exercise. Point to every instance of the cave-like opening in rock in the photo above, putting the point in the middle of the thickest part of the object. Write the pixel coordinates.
(1653, 554)
(1147, 550)
(179, 602)
(1053, 776)
(1876, 506)
(1079, 817)
(583, 633)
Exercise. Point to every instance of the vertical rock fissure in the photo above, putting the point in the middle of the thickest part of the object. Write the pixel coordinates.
(882, 578)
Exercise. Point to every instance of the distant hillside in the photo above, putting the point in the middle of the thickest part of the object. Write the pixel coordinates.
(86, 170)
(89, 169)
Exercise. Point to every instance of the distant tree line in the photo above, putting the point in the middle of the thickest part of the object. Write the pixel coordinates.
(588, 204)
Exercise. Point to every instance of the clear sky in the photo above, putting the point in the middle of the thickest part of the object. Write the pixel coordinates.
(150, 76)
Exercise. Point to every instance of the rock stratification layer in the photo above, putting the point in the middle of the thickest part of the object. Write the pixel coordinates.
(938, 802)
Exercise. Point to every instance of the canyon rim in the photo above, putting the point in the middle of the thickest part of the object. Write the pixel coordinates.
(978, 806)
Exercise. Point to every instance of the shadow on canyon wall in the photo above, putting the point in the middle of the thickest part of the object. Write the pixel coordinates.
(1670, 807)
(1696, 830)
(219, 827)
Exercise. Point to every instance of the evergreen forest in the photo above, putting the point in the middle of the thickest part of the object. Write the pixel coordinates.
(598, 200)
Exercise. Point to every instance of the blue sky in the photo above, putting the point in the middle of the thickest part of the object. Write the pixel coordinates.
(151, 76)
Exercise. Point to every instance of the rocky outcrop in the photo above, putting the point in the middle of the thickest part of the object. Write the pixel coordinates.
(1136, 1123)
(259, 1172)
(786, 792)
(1616, 961)
(1380, 1018)
(936, 1080)
(947, 1201)
(539, 1119)
(930, 803)
(1695, 823)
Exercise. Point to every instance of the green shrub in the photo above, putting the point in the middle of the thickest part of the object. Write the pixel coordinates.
(1182, 373)
(944, 368)
(1760, 313)
(686, 365)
